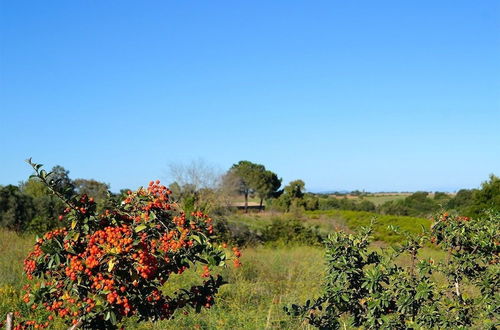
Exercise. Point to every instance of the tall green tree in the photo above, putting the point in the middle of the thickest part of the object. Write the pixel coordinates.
(295, 189)
(61, 180)
(248, 175)
(488, 197)
(92, 188)
(268, 184)
(292, 196)
(46, 206)
(16, 208)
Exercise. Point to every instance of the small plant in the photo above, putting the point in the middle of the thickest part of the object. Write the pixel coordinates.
(100, 268)
(367, 288)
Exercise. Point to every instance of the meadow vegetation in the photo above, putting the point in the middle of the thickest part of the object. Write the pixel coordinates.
(269, 279)
(282, 247)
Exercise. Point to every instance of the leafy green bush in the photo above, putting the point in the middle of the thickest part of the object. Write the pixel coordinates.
(236, 233)
(368, 289)
(16, 208)
(488, 197)
(291, 231)
(417, 204)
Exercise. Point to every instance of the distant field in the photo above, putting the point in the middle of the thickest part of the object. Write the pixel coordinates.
(381, 199)
(376, 199)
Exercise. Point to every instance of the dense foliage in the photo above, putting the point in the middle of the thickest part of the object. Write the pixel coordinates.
(101, 267)
(465, 202)
(31, 207)
(251, 178)
(368, 288)
(291, 231)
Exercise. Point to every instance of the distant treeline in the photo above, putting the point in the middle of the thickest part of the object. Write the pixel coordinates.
(30, 206)
(466, 202)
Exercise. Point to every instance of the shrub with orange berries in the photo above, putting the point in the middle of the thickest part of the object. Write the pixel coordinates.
(100, 268)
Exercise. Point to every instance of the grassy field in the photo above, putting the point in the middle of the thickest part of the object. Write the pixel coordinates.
(376, 199)
(270, 278)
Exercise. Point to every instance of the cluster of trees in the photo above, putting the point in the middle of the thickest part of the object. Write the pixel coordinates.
(217, 191)
(197, 186)
(253, 179)
(468, 202)
(30, 206)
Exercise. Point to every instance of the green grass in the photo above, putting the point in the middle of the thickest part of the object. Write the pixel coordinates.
(254, 299)
(13, 250)
(241, 199)
(254, 221)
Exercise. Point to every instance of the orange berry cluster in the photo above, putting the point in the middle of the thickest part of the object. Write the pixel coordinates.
(30, 263)
(115, 260)
(237, 254)
(147, 264)
(206, 271)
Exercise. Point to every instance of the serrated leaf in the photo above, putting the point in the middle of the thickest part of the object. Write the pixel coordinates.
(73, 224)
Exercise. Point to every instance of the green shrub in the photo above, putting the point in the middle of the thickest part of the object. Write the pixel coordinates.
(332, 203)
(236, 233)
(367, 288)
(291, 231)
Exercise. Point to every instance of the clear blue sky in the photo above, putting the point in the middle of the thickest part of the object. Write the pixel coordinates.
(374, 95)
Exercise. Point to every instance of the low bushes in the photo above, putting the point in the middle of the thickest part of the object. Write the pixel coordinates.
(356, 219)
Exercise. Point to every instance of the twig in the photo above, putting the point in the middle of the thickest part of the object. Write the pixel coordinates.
(9, 322)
